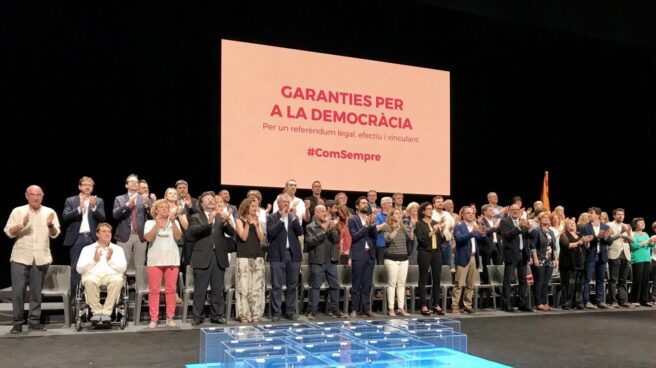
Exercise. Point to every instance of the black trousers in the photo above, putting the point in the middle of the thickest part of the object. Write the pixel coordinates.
(640, 285)
(81, 241)
(618, 272)
(213, 276)
(489, 255)
(508, 271)
(571, 288)
(430, 260)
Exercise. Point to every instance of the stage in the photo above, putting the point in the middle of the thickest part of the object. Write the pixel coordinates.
(558, 338)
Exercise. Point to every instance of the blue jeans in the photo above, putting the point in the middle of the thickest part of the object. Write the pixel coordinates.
(598, 269)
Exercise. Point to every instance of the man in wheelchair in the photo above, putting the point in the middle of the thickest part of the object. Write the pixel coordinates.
(102, 263)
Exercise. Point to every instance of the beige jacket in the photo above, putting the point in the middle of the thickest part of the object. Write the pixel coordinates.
(621, 242)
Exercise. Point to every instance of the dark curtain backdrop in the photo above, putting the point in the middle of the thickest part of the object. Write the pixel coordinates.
(109, 89)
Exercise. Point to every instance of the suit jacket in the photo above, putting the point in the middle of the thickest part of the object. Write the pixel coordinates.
(463, 244)
(539, 242)
(486, 244)
(122, 213)
(596, 243)
(278, 235)
(621, 243)
(73, 218)
(361, 234)
(510, 235)
(209, 238)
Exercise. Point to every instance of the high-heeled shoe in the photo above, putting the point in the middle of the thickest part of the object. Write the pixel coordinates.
(438, 310)
(425, 311)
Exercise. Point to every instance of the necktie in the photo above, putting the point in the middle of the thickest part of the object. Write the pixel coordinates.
(134, 217)
(521, 241)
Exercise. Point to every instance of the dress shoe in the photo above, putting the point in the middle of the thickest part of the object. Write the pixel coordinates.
(525, 309)
(455, 310)
(275, 318)
(579, 307)
(219, 320)
(470, 310)
(353, 315)
(197, 322)
(16, 329)
(339, 315)
(626, 305)
(37, 327)
(292, 317)
(403, 313)
(565, 307)
(509, 310)
(370, 314)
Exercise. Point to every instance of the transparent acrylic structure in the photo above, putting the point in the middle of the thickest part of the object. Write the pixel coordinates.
(397, 343)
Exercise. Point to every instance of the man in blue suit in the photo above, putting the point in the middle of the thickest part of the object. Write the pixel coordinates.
(284, 255)
(597, 237)
(468, 235)
(362, 254)
(82, 214)
(130, 210)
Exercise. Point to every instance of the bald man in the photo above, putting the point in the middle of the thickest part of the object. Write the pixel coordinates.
(32, 226)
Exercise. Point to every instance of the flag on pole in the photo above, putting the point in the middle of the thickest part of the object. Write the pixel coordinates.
(545, 192)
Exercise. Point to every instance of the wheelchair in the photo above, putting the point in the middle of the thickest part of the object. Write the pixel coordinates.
(119, 315)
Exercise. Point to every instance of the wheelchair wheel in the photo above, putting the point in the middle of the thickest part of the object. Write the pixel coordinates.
(78, 324)
(124, 322)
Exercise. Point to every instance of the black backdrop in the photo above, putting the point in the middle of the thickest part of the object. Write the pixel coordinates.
(109, 89)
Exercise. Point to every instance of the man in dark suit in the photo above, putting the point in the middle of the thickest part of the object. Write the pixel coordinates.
(283, 230)
(597, 237)
(516, 254)
(130, 210)
(209, 230)
(82, 214)
(363, 256)
(490, 251)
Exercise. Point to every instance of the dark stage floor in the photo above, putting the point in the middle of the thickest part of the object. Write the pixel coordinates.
(619, 338)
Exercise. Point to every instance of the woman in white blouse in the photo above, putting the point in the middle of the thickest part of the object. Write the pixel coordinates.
(163, 259)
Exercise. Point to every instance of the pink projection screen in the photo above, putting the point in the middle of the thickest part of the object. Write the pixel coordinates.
(352, 124)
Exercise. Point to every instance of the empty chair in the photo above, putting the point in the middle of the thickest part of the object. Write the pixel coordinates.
(446, 282)
(379, 281)
(345, 276)
(58, 283)
(229, 288)
(495, 273)
(412, 282)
